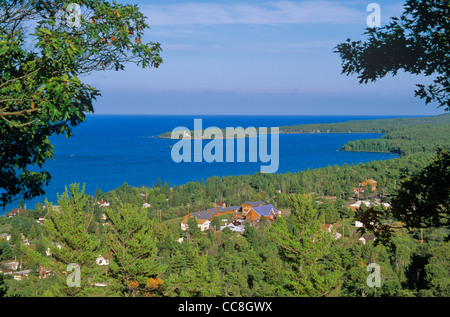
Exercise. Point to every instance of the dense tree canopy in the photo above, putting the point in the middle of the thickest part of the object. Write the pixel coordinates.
(44, 53)
(424, 198)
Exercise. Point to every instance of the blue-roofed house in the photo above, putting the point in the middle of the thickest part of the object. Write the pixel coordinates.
(267, 211)
(247, 205)
(233, 210)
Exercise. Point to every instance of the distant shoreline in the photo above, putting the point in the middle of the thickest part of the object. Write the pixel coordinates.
(376, 126)
(269, 133)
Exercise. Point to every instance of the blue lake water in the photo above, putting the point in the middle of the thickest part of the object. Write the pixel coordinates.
(108, 150)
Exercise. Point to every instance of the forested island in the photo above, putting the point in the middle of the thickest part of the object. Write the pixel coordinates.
(400, 135)
(131, 241)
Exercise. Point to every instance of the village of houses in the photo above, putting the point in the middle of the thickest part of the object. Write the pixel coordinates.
(250, 212)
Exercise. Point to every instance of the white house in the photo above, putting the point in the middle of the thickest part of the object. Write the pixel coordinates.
(101, 260)
(204, 224)
(366, 238)
(368, 204)
(5, 236)
(103, 203)
(327, 227)
(40, 220)
(359, 202)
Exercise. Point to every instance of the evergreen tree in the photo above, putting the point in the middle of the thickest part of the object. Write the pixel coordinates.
(69, 242)
(303, 246)
(133, 247)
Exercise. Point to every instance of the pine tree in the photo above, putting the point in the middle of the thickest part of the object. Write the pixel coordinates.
(69, 242)
(303, 246)
(133, 247)
(197, 279)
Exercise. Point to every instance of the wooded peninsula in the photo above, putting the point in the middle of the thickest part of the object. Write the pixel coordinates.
(400, 135)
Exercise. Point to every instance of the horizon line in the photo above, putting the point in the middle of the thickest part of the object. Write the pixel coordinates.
(260, 115)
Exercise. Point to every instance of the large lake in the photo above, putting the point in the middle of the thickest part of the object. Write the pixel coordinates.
(108, 150)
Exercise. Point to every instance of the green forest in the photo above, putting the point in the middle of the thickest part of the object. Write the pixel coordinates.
(150, 255)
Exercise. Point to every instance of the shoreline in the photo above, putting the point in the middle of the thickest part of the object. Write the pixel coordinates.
(162, 136)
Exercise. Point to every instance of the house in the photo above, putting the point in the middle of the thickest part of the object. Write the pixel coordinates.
(186, 134)
(220, 204)
(209, 214)
(359, 224)
(362, 186)
(203, 221)
(327, 227)
(103, 203)
(358, 190)
(17, 212)
(199, 216)
(183, 223)
(370, 181)
(366, 237)
(40, 220)
(357, 205)
(5, 236)
(204, 224)
(247, 205)
(267, 211)
(103, 261)
(233, 210)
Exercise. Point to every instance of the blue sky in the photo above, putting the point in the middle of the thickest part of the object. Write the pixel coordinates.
(255, 57)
